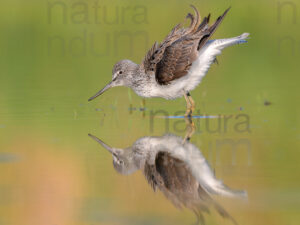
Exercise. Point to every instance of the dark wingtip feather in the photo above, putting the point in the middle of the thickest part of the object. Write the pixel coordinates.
(208, 18)
(218, 21)
(205, 21)
(212, 29)
(226, 11)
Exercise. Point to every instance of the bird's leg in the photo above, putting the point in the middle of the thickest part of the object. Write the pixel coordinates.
(190, 129)
(190, 104)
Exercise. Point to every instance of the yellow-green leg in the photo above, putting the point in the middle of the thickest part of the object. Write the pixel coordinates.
(190, 105)
(190, 129)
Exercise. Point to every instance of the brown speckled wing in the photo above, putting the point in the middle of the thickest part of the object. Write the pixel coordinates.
(173, 178)
(172, 58)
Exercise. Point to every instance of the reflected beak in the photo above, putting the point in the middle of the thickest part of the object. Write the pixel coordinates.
(109, 85)
(108, 148)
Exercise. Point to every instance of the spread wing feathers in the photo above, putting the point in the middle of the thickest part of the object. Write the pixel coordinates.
(211, 30)
(174, 179)
(172, 58)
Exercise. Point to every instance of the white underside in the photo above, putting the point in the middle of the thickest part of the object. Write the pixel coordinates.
(198, 70)
(192, 157)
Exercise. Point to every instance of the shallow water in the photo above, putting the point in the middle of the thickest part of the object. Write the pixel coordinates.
(247, 118)
(55, 174)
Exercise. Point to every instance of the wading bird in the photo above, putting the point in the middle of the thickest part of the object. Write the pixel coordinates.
(175, 66)
(176, 168)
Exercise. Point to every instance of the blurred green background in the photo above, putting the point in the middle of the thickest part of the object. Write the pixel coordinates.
(54, 55)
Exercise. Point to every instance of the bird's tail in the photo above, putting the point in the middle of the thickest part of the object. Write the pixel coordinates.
(206, 200)
(212, 48)
(223, 43)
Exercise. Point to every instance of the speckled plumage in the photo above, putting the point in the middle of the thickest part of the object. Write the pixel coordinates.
(176, 65)
(177, 169)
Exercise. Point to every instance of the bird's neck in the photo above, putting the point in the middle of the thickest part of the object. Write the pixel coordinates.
(143, 152)
(142, 83)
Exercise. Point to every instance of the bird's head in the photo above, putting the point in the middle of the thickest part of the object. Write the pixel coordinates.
(122, 75)
(122, 158)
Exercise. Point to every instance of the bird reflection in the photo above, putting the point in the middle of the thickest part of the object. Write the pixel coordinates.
(178, 169)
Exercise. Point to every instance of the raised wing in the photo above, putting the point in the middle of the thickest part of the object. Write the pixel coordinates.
(174, 179)
(172, 58)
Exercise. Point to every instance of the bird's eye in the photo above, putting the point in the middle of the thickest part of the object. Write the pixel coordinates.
(121, 162)
(120, 72)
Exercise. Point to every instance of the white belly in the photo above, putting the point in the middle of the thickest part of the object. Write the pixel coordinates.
(186, 83)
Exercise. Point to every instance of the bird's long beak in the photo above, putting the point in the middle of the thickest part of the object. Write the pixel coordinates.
(107, 147)
(109, 85)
